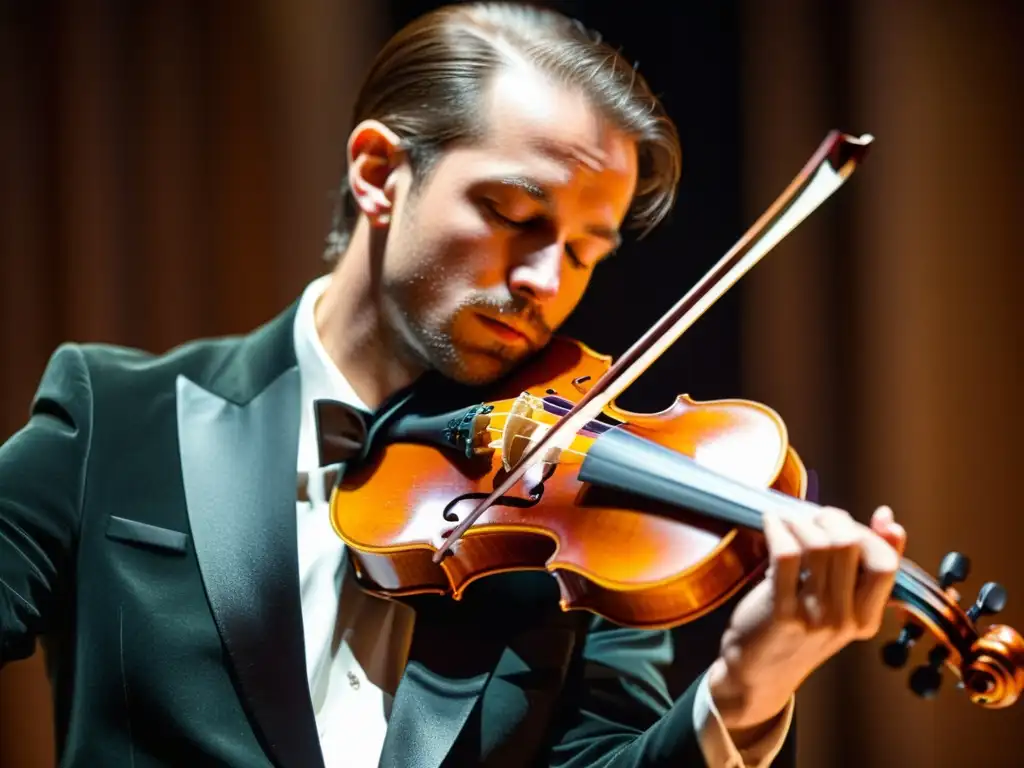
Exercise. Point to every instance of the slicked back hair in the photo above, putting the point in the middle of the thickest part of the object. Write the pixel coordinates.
(427, 82)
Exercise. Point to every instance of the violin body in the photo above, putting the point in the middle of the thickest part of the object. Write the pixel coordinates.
(634, 561)
(650, 520)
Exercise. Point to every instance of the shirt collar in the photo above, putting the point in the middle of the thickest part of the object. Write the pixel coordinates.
(321, 378)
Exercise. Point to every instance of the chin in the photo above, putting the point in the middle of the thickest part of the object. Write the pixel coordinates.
(477, 368)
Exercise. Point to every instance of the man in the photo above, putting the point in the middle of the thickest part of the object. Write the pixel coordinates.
(196, 613)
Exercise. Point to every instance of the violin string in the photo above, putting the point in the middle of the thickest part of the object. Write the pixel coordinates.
(918, 576)
(530, 419)
(532, 438)
(909, 568)
(500, 432)
(781, 509)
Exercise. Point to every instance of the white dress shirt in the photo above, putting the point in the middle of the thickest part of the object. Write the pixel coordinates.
(355, 644)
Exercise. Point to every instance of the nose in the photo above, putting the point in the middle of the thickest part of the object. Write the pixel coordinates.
(537, 276)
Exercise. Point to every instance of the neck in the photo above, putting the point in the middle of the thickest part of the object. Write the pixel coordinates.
(352, 326)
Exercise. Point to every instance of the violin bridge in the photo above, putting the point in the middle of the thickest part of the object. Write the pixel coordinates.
(526, 423)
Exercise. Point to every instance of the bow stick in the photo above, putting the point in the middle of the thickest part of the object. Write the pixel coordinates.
(835, 159)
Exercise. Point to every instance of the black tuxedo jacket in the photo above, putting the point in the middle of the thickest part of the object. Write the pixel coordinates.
(147, 537)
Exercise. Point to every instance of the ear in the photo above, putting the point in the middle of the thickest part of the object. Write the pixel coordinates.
(373, 153)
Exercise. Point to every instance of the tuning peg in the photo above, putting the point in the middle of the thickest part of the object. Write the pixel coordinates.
(953, 569)
(896, 652)
(991, 600)
(927, 678)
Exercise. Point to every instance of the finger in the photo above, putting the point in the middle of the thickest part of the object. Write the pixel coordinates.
(844, 534)
(815, 547)
(884, 524)
(784, 555)
(879, 563)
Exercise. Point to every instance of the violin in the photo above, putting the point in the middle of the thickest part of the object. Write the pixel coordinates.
(650, 520)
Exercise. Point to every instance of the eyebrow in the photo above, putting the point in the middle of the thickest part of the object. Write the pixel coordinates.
(536, 190)
(527, 185)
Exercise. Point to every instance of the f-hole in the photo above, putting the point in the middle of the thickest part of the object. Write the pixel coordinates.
(536, 493)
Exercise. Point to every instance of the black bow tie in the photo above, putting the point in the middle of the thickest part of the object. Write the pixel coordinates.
(433, 410)
(341, 432)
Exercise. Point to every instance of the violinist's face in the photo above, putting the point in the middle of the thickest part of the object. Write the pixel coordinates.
(486, 257)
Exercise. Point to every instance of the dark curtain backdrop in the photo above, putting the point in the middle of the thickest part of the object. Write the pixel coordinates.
(166, 170)
(888, 329)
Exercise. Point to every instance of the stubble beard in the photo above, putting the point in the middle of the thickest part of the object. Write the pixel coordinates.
(425, 332)
(430, 339)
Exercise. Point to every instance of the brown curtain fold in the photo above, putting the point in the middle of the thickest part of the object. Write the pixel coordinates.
(168, 172)
(888, 331)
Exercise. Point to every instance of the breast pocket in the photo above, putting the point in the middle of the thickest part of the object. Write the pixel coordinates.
(147, 536)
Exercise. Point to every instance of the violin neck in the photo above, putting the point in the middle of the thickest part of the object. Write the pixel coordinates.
(622, 461)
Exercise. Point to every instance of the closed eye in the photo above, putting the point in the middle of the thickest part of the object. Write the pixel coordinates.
(524, 224)
(534, 222)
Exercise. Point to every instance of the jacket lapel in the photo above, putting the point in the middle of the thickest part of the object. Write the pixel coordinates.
(471, 663)
(238, 438)
(449, 666)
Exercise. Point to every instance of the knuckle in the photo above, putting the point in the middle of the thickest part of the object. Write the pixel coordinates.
(889, 562)
(820, 546)
(732, 653)
(817, 539)
(729, 637)
(882, 562)
(833, 514)
(784, 553)
(845, 541)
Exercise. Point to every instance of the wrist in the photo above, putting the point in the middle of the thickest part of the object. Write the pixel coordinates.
(746, 711)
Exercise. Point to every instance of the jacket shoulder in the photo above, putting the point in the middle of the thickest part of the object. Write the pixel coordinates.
(236, 367)
(111, 364)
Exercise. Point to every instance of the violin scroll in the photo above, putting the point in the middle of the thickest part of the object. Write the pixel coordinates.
(995, 677)
(990, 663)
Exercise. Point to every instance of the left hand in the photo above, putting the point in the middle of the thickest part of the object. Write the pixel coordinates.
(827, 584)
